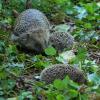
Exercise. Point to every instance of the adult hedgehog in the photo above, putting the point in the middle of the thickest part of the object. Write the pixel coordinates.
(31, 30)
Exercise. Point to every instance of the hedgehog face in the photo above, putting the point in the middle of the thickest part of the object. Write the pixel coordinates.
(38, 45)
(37, 41)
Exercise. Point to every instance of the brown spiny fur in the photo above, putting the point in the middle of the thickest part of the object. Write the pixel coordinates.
(61, 40)
(60, 71)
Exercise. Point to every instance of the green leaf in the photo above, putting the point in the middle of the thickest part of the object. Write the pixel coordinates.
(66, 81)
(51, 95)
(11, 49)
(50, 51)
(88, 25)
(81, 54)
(60, 97)
(83, 97)
(72, 93)
(25, 95)
(21, 57)
(73, 84)
(8, 84)
(15, 98)
(3, 74)
(41, 64)
(0, 6)
(58, 84)
(91, 7)
(2, 47)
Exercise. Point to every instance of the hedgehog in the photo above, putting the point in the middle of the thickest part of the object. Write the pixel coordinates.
(31, 30)
(60, 71)
(61, 40)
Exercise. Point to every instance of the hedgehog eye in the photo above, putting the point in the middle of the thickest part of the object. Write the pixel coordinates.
(37, 45)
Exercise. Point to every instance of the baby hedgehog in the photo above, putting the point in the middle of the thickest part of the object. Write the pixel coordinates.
(61, 40)
(60, 71)
(31, 30)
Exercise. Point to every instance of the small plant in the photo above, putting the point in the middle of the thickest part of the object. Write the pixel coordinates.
(64, 89)
(16, 65)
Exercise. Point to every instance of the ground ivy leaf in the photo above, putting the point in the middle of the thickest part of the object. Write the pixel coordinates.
(73, 93)
(60, 97)
(59, 84)
(50, 51)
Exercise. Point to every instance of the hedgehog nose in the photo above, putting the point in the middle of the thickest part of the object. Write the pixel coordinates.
(39, 48)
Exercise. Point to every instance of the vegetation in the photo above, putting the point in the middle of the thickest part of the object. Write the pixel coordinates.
(18, 70)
